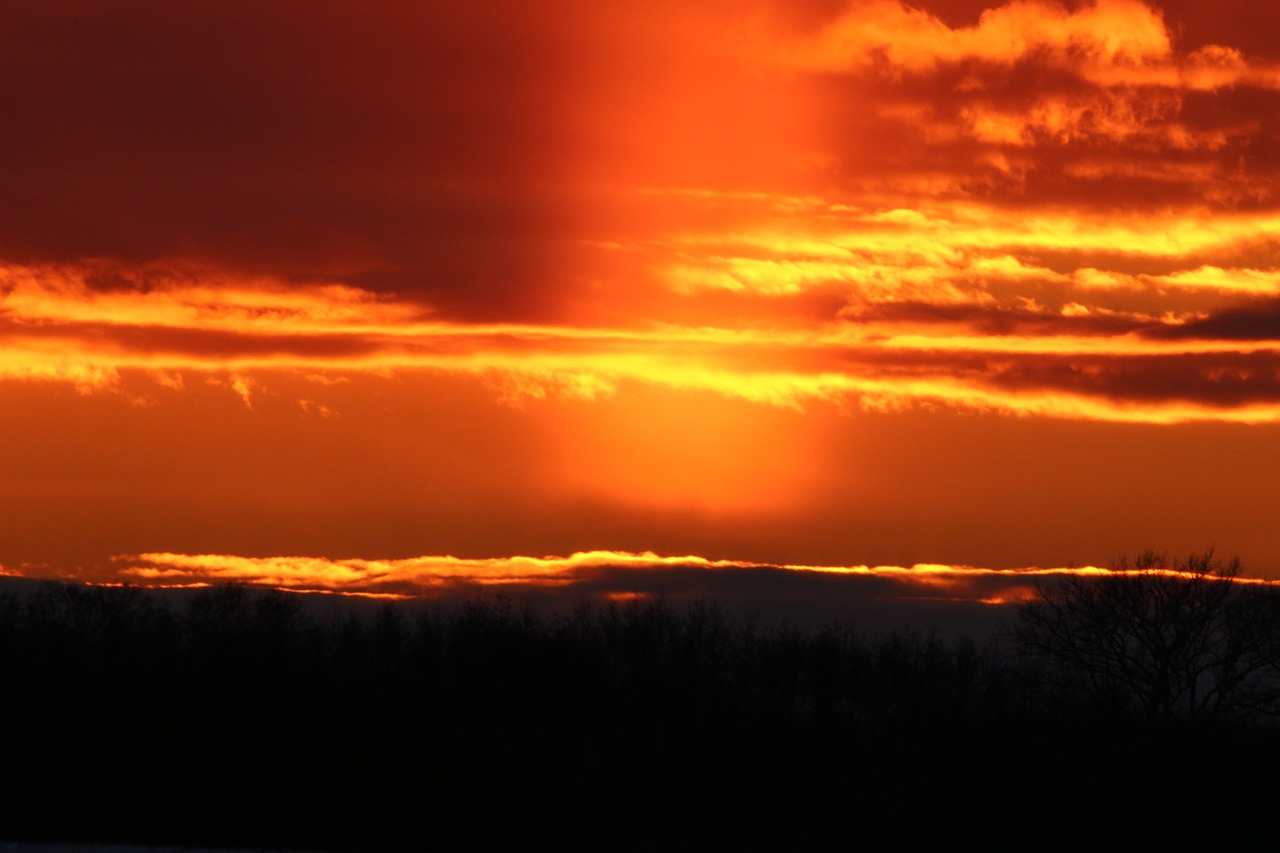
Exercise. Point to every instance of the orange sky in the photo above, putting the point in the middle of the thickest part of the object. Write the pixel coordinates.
(789, 283)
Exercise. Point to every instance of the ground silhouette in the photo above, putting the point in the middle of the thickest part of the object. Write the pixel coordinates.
(234, 718)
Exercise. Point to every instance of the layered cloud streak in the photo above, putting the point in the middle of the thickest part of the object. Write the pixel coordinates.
(913, 319)
(604, 574)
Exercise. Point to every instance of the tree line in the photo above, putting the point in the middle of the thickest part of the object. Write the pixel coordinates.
(238, 718)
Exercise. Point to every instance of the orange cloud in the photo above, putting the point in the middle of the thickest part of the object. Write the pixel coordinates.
(941, 231)
(919, 294)
(1095, 106)
(608, 572)
(188, 297)
(1107, 42)
(1108, 32)
(1040, 364)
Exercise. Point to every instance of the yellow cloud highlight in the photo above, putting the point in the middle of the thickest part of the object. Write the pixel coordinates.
(1107, 116)
(431, 576)
(836, 362)
(1107, 42)
(941, 232)
(1253, 282)
(951, 304)
(1033, 262)
(191, 298)
(1106, 33)
(359, 575)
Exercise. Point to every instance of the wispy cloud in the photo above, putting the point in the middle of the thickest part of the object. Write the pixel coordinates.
(1071, 356)
(598, 573)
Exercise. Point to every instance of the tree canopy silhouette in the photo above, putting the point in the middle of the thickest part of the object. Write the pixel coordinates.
(1160, 642)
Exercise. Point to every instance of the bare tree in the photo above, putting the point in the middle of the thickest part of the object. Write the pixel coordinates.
(1160, 642)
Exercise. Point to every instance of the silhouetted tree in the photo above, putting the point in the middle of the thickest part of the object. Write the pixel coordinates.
(1160, 642)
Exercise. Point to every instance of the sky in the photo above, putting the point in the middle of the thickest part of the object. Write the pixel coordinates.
(403, 296)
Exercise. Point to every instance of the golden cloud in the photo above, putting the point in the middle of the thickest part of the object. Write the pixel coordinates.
(431, 576)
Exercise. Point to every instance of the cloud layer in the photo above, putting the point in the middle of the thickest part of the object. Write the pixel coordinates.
(659, 270)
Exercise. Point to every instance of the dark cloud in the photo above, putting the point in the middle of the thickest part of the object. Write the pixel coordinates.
(1208, 379)
(446, 150)
(212, 344)
(1244, 25)
(451, 152)
(1045, 128)
(986, 320)
(304, 138)
(810, 599)
(1121, 150)
(1216, 380)
(1256, 321)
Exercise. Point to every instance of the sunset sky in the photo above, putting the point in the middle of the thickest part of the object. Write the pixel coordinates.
(392, 296)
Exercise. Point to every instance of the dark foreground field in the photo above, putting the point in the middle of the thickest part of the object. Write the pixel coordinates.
(231, 718)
